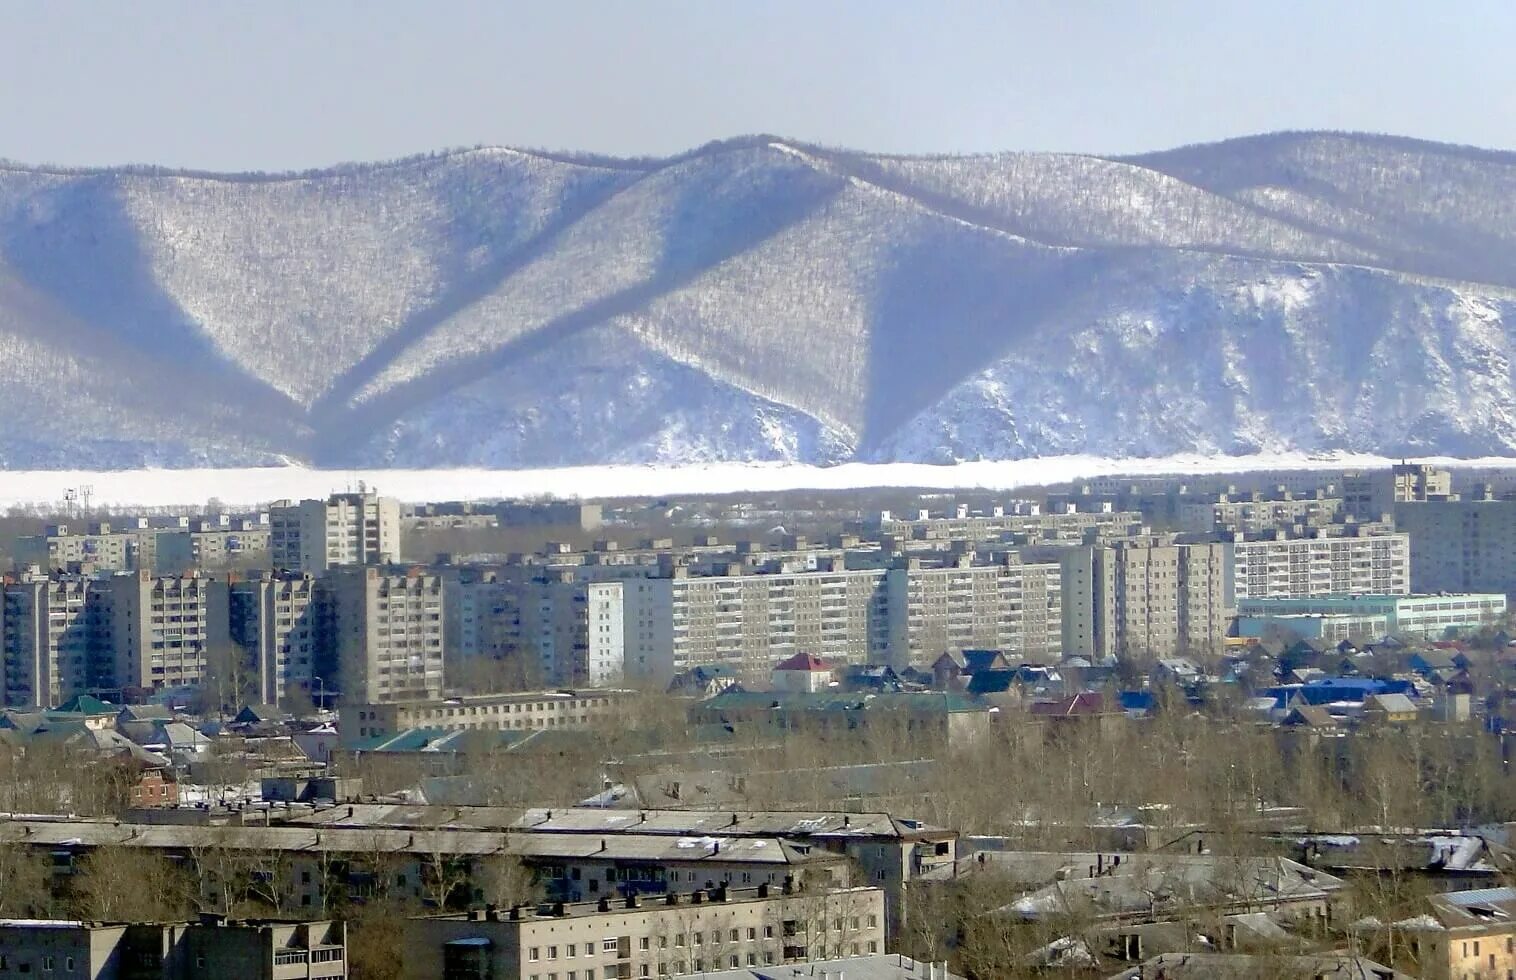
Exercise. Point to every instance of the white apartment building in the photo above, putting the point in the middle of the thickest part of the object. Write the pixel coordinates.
(276, 619)
(675, 621)
(345, 529)
(1333, 560)
(387, 633)
(750, 619)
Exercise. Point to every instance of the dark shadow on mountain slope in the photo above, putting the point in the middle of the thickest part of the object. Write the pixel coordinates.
(341, 431)
(950, 308)
(1444, 246)
(469, 288)
(77, 246)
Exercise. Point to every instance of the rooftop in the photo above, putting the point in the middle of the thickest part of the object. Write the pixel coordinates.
(619, 906)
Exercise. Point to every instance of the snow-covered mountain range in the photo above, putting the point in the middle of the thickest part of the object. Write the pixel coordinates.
(760, 299)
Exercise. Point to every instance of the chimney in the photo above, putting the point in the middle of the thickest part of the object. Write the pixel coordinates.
(604, 905)
(847, 821)
(697, 896)
(671, 899)
(631, 900)
(515, 913)
(763, 890)
(716, 847)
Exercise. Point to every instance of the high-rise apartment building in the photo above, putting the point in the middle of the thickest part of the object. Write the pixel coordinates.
(160, 630)
(1333, 560)
(345, 529)
(570, 631)
(748, 619)
(1460, 545)
(476, 611)
(1368, 496)
(1145, 597)
(961, 605)
(49, 634)
(386, 633)
(276, 619)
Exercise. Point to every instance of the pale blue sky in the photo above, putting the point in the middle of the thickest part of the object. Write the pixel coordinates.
(273, 85)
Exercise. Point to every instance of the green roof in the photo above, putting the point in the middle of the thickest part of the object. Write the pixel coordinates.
(85, 704)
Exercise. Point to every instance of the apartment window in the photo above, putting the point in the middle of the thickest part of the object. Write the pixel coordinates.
(533, 954)
(733, 935)
(679, 939)
(552, 952)
(643, 944)
(608, 945)
(700, 938)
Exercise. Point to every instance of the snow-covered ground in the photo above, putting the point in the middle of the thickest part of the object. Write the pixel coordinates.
(239, 487)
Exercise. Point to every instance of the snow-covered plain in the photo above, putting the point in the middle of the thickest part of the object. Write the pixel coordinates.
(121, 489)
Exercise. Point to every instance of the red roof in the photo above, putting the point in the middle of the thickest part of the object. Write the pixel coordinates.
(1085, 703)
(802, 661)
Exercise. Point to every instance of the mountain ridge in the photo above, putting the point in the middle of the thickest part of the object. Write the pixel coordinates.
(764, 298)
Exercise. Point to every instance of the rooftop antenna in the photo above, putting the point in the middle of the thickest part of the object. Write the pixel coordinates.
(85, 493)
(69, 496)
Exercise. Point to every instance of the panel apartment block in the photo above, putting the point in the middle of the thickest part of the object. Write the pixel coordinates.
(387, 633)
(713, 929)
(345, 529)
(49, 628)
(161, 628)
(1460, 545)
(276, 618)
(1334, 560)
(1146, 597)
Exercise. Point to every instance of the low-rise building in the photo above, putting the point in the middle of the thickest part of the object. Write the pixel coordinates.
(710, 929)
(1411, 615)
(212, 947)
(529, 710)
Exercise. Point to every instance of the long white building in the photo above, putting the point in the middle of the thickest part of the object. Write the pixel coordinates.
(1324, 561)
